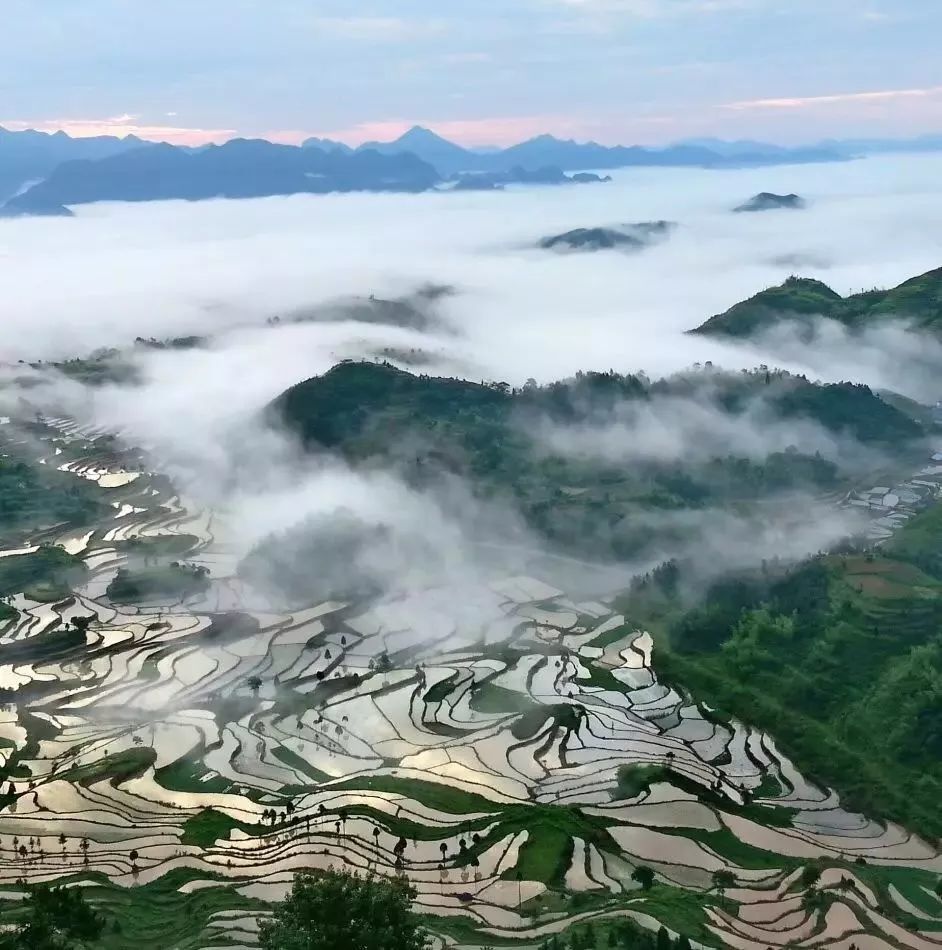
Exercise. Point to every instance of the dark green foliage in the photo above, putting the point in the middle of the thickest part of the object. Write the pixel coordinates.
(918, 300)
(338, 909)
(47, 574)
(635, 779)
(52, 645)
(918, 542)
(841, 660)
(810, 875)
(797, 298)
(851, 408)
(563, 715)
(625, 934)
(722, 879)
(206, 827)
(149, 916)
(54, 918)
(351, 397)
(176, 580)
(35, 496)
(116, 768)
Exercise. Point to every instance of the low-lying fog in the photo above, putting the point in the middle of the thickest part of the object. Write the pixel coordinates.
(157, 269)
(222, 268)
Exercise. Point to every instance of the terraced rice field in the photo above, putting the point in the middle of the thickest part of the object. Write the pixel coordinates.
(183, 759)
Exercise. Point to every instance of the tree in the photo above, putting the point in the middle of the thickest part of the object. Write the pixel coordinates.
(339, 909)
(812, 900)
(644, 876)
(54, 917)
(255, 683)
(810, 875)
(723, 879)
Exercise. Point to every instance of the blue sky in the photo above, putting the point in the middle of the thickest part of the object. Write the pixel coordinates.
(480, 71)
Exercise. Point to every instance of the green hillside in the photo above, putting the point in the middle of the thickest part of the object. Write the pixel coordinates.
(429, 428)
(842, 659)
(801, 300)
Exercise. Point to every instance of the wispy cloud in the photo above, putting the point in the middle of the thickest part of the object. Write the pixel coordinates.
(650, 9)
(376, 28)
(121, 126)
(463, 59)
(801, 102)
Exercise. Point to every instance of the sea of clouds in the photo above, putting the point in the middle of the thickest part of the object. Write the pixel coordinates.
(223, 268)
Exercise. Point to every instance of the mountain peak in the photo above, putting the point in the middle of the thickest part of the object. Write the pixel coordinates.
(416, 130)
(547, 139)
(418, 134)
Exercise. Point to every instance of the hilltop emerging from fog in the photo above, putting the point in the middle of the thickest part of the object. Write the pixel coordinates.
(801, 300)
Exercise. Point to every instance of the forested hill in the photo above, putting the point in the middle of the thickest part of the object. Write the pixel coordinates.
(801, 300)
(492, 436)
(842, 657)
(361, 406)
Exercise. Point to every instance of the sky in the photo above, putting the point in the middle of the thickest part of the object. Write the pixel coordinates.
(481, 72)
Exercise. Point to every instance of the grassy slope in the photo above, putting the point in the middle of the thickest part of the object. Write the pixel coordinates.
(798, 299)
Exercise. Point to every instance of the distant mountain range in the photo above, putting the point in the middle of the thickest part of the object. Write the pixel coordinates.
(46, 174)
(241, 168)
(29, 156)
(546, 150)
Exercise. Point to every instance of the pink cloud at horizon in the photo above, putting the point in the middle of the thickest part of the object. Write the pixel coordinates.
(502, 131)
(850, 98)
(784, 120)
(122, 126)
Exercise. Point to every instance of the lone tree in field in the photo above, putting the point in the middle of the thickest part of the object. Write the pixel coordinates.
(723, 879)
(339, 909)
